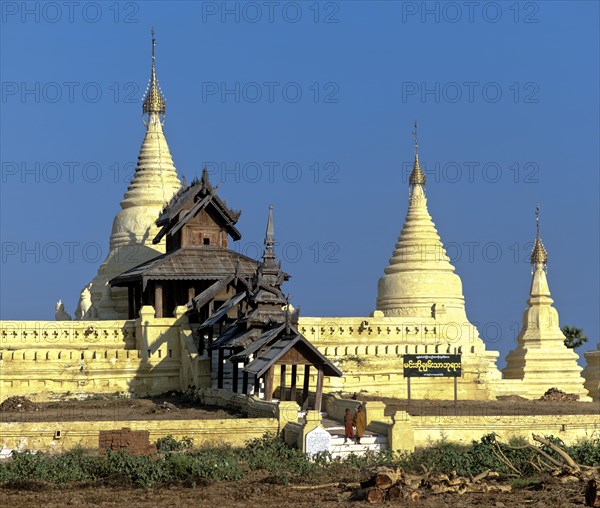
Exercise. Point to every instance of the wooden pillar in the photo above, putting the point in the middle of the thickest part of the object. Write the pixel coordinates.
(245, 379)
(306, 384)
(269, 384)
(235, 377)
(139, 298)
(282, 389)
(220, 368)
(256, 386)
(158, 300)
(245, 383)
(319, 394)
(211, 336)
(130, 303)
(293, 383)
(191, 293)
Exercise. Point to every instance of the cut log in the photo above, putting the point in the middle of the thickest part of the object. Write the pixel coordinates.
(442, 489)
(374, 495)
(457, 481)
(481, 476)
(412, 480)
(394, 493)
(414, 495)
(385, 478)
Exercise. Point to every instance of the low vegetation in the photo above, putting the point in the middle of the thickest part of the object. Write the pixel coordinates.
(177, 463)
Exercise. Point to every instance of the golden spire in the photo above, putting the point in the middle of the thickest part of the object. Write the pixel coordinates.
(539, 256)
(417, 177)
(154, 101)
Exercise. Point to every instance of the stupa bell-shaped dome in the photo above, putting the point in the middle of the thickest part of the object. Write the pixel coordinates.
(154, 183)
(420, 280)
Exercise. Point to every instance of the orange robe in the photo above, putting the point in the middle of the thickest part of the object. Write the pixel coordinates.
(348, 422)
(359, 421)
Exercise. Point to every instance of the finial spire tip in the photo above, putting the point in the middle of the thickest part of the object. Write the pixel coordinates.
(539, 255)
(154, 101)
(417, 177)
(415, 134)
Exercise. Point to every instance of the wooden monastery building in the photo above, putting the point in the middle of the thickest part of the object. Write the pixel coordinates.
(241, 316)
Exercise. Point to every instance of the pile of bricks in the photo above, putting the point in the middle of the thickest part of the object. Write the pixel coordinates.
(135, 442)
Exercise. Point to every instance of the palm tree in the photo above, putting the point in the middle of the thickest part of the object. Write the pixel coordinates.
(575, 337)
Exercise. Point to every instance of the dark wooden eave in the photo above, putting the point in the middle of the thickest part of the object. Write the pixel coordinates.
(277, 345)
(273, 344)
(190, 263)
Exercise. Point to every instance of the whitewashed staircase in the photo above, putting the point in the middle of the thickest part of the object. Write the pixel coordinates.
(370, 442)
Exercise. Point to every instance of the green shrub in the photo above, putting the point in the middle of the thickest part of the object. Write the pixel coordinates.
(170, 444)
(270, 454)
(586, 451)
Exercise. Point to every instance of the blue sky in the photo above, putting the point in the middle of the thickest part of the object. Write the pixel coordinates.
(309, 107)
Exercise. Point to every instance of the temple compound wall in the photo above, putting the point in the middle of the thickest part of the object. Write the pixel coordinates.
(44, 360)
(369, 351)
(404, 432)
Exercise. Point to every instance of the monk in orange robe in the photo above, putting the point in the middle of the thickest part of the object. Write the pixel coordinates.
(360, 423)
(348, 423)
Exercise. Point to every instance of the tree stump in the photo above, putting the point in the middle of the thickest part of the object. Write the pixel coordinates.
(374, 495)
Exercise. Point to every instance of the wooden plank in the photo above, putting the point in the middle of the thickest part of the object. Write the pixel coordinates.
(295, 356)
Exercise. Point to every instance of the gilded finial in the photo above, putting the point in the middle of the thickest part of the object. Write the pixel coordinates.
(417, 177)
(154, 101)
(538, 254)
(415, 134)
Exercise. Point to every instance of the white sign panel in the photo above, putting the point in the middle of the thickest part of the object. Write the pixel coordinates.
(317, 440)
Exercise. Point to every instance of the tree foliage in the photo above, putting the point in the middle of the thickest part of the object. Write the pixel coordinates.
(574, 337)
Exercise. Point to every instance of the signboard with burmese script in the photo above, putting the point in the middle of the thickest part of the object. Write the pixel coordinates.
(432, 365)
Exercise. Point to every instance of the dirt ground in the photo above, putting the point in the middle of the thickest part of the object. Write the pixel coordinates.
(178, 407)
(259, 492)
(258, 489)
(508, 406)
(168, 407)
